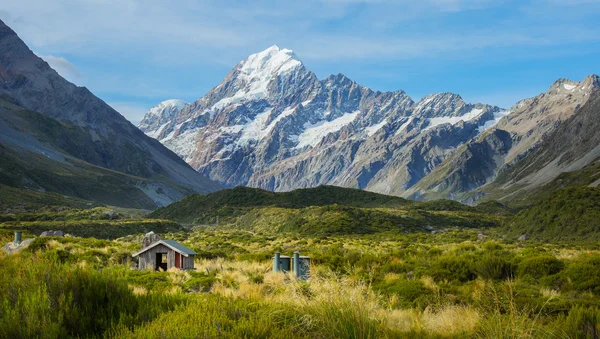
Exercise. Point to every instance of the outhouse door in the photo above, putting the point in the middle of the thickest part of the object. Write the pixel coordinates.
(177, 260)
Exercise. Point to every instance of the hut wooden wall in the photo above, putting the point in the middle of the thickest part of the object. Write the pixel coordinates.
(147, 260)
(188, 262)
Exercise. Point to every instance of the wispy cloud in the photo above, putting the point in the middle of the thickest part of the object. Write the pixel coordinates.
(63, 67)
(213, 31)
(152, 49)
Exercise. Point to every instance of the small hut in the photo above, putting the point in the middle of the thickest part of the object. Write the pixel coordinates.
(164, 254)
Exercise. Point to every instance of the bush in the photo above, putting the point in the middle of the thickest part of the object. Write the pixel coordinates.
(45, 298)
(453, 268)
(396, 267)
(199, 283)
(540, 266)
(583, 322)
(411, 293)
(583, 275)
(492, 267)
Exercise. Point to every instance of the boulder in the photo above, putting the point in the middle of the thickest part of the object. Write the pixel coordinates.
(149, 239)
(52, 234)
(11, 247)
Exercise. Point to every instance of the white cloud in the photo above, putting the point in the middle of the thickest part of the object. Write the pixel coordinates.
(135, 47)
(66, 69)
(208, 32)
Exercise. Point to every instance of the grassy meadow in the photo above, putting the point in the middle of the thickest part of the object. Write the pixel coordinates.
(445, 285)
(379, 269)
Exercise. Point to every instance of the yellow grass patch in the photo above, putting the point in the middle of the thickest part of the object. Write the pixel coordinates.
(450, 320)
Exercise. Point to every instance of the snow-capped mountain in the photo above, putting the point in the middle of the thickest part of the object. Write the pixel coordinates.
(159, 115)
(271, 123)
(525, 150)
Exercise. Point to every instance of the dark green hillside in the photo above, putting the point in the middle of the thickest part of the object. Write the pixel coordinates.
(99, 222)
(442, 205)
(14, 200)
(341, 220)
(586, 176)
(494, 207)
(567, 214)
(40, 153)
(20, 168)
(322, 210)
(231, 202)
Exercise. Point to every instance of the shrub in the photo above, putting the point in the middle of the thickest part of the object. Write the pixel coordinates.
(583, 275)
(492, 267)
(396, 267)
(202, 283)
(45, 298)
(38, 244)
(583, 322)
(453, 268)
(411, 293)
(540, 266)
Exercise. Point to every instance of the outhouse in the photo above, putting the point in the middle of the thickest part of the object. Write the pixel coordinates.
(281, 263)
(165, 254)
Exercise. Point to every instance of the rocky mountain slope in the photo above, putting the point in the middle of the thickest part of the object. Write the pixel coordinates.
(272, 124)
(68, 129)
(541, 138)
(161, 114)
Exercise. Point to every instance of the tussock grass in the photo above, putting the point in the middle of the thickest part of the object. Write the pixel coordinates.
(392, 286)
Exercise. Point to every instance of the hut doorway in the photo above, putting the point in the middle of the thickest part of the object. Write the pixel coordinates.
(161, 261)
(178, 260)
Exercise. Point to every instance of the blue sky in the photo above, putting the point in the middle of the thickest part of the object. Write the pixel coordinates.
(134, 54)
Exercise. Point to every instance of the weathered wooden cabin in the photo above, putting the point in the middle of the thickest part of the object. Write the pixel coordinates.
(165, 254)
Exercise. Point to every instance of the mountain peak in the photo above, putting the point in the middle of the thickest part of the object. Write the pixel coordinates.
(172, 103)
(338, 79)
(567, 85)
(251, 78)
(271, 62)
(167, 105)
(593, 80)
(159, 115)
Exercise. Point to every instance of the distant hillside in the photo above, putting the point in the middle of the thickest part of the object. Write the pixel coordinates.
(442, 205)
(567, 214)
(16, 200)
(323, 210)
(494, 207)
(58, 137)
(205, 208)
(336, 219)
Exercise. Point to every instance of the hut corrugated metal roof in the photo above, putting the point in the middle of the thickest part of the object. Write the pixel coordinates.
(174, 245)
(179, 247)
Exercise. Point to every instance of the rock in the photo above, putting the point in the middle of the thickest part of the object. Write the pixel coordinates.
(110, 214)
(481, 236)
(52, 234)
(11, 247)
(149, 239)
(523, 237)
